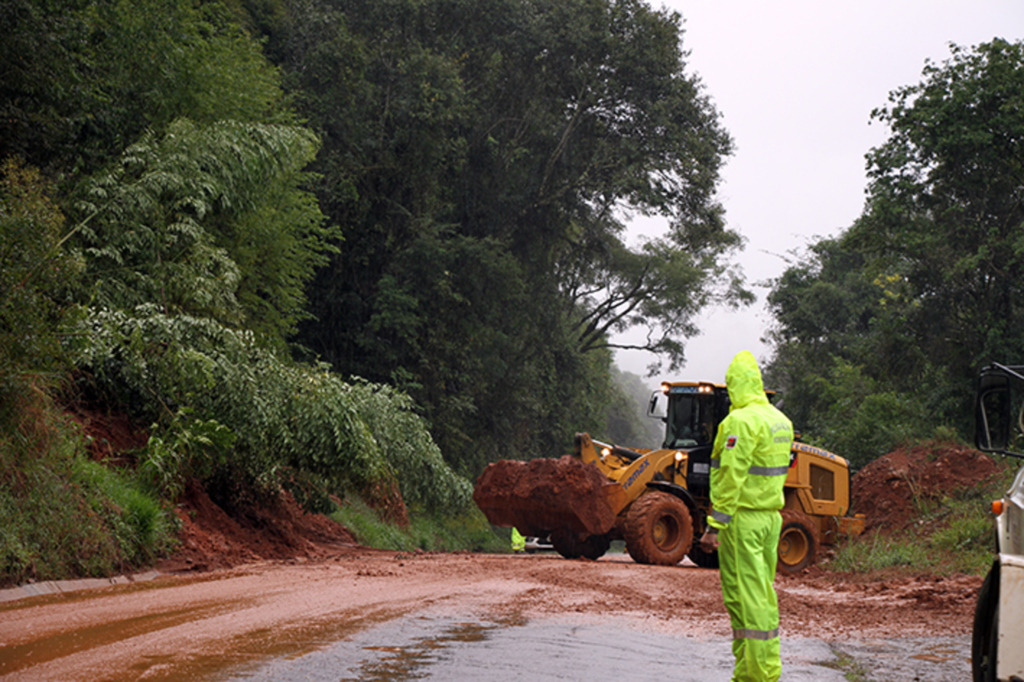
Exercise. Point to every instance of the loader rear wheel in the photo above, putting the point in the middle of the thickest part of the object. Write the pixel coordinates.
(798, 542)
(701, 558)
(658, 529)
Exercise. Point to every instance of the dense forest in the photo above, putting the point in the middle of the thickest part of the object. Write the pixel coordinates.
(365, 247)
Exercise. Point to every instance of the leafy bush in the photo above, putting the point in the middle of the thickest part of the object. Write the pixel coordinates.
(285, 417)
(32, 269)
(142, 527)
(863, 422)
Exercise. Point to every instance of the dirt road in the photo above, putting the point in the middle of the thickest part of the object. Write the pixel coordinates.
(206, 626)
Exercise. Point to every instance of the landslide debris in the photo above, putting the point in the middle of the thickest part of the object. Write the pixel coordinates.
(889, 489)
(541, 495)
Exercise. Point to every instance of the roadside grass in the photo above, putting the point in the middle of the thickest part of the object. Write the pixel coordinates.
(61, 515)
(428, 532)
(951, 535)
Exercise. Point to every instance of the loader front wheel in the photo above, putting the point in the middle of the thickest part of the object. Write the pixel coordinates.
(658, 529)
(798, 542)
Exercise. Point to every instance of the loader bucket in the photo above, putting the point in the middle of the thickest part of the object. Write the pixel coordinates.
(544, 495)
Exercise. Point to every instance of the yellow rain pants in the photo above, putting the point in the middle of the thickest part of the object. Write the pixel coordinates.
(747, 554)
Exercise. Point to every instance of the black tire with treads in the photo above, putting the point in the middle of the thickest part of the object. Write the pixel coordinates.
(658, 529)
(798, 542)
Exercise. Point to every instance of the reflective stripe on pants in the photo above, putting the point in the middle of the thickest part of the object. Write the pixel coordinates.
(747, 555)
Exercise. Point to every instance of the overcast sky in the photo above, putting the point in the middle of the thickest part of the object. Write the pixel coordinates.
(795, 82)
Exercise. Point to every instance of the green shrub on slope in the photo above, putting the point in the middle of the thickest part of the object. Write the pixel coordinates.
(288, 420)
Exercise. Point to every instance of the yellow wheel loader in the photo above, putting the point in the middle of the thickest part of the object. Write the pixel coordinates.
(658, 500)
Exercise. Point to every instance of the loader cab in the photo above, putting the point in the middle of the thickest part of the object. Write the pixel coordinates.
(691, 412)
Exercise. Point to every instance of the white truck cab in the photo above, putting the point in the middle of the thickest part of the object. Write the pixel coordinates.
(997, 647)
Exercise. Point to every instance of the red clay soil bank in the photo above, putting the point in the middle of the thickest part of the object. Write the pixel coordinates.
(210, 539)
(886, 489)
(541, 495)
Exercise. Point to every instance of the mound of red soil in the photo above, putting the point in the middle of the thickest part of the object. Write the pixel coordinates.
(886, 490)
(544, 494)
(211, 539)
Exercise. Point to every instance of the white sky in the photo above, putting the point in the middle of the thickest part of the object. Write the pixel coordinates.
(795, 82)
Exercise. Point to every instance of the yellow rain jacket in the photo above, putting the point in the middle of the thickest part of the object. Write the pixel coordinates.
(749, 464)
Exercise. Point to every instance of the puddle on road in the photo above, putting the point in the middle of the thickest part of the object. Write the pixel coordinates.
(465, 650)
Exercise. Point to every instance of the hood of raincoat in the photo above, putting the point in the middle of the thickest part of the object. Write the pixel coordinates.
(743, 380)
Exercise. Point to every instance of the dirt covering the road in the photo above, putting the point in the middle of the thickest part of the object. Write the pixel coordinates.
(211, 539)
(198, 625)
(287, 581)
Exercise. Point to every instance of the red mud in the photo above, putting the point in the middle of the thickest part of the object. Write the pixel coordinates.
(888, 489)
(544, 494)
(210, 539)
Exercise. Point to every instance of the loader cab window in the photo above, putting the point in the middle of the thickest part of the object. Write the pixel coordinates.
(690, 421)
(823, 484)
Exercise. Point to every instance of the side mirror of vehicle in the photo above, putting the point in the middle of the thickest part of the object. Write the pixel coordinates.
(992, 412)
(652, 407)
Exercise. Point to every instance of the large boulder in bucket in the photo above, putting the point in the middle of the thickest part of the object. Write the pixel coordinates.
(543, 495)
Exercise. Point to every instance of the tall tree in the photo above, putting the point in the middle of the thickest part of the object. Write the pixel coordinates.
(207, 220)
(479, 156)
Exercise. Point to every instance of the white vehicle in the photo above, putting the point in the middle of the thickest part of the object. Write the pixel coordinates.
(997, 646)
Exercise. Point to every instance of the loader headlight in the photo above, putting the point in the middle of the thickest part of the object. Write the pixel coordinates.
(679, 457)
(605, 452)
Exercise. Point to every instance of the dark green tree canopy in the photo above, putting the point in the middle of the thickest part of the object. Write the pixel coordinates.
(480, 157)
(929, 282)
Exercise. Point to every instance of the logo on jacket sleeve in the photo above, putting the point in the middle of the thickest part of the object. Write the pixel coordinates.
(730, 442)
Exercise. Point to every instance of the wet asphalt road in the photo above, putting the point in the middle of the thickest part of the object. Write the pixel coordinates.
(425, 647)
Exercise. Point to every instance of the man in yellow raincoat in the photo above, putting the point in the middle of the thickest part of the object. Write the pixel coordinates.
(749, 464)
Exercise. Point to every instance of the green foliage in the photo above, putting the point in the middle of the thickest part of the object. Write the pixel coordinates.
(922, 290)
(33, 270)
(863, 421)
(402, 437)
(60, 515)
(478, 157)
(283, 416)
(189, 448)
(179, 215)
(427, 532)
(141, 526)
(88, 78)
